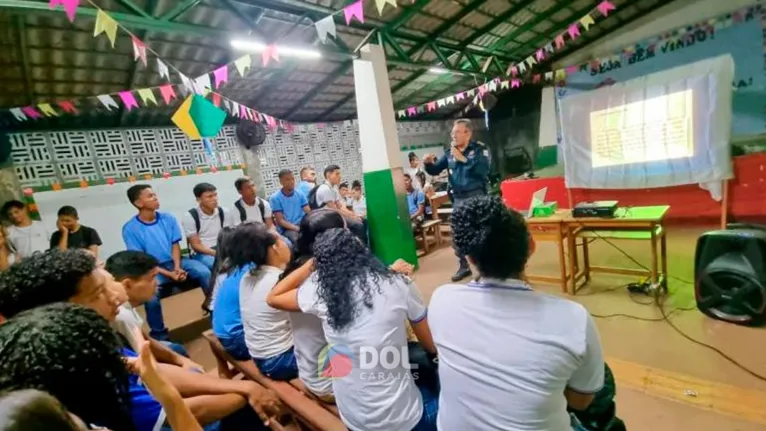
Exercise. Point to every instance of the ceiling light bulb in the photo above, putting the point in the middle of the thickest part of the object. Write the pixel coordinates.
(253, 46)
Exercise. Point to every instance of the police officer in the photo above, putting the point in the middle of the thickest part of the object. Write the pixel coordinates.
(468, 166)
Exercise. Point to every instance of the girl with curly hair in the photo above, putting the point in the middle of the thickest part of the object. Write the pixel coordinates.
(362, 304)
(268, 334)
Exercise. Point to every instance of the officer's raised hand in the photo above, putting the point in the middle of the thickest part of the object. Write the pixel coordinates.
(429, 159)
(458, 155)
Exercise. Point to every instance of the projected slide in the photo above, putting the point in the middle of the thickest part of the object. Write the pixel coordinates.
(659, 128)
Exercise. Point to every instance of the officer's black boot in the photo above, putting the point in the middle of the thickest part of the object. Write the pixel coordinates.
(463, 272)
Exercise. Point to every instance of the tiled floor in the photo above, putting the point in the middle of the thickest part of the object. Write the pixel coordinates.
(665, 382)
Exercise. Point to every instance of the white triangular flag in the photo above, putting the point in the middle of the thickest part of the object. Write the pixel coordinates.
(201, 83)
(227, 104)
(18, 115)
(324, 27)
(492, 85)
(163, 69)
(188, 87)
(107, 101)
(450, 100)
(401, 113)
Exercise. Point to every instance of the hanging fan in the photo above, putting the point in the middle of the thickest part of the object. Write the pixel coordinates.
(250, 134)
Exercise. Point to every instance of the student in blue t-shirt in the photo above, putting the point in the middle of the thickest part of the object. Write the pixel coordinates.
(158, 234)
(289, 206)
(416, 202)
(227, 318)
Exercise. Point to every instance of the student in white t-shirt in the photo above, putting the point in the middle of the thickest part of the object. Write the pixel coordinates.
(358, 201)
(362, 305)
(268, 335)
(25, 236)
(250, 207)
(510, 358)
(328, 195)
(203, 223)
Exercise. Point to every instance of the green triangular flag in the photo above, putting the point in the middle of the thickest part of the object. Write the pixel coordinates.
(207, 117)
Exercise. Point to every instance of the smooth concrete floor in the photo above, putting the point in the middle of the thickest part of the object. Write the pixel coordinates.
(664, 381)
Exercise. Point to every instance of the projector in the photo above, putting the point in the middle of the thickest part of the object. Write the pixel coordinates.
(604, 209)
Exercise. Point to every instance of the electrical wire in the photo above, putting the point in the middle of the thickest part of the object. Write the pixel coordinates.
(666, 316)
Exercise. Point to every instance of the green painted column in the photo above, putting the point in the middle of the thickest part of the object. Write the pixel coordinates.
(389, 220)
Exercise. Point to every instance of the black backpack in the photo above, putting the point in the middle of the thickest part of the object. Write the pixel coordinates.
(243, 214)
(312, 198)
(195, 215)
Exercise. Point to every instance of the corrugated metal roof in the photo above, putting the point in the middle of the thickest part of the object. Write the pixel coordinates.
(46, 58)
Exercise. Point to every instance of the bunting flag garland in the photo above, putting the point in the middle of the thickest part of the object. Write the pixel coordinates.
(128, 99)
(381, 4)
(586, 21)
(139, 50)
(559, 41)
(105, 24)
(354, 10)
(574, 30)
(67, 106)
(107, 101)
(324, 27)
(17, 114)
(605, 7)
(47, 110)
(243, 64)
(147, 95)
(221, 75)
(31, 112)
(188, 87)
(70, 7)
(269, 53)
(163, 69)
(540, 54)
(202, 83)
(217, 99)
(167, 93)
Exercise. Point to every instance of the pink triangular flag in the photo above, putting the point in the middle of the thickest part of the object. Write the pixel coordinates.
(221, 75)
(559, 41)
(31, 112)
(167, 93)
(268, 53)
(354, 10)
(216, 99)
(70, 7)
(271, 122)
(431, 106)
(412, 111)
(540, 54)
(482, 89)
(605, 6)
(536, 78)
(128, 99)
(139, 50)
(242, 111)
(514, 71)
(460, 96)
(515, 83)
(67, 106)
(574, 30)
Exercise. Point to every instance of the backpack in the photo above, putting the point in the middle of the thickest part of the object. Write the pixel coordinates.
(243, 214)
(195, 216)
(312, 198)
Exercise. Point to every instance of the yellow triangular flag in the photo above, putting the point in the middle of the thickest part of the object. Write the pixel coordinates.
(380, 4)
(184, 121)
(587, 21)
(105, 24)
(147, 95)
(243, 63)
(48, 110)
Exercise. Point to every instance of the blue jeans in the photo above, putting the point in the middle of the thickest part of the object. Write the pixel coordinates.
(236, 347)
(204, 259)
(196, 272)
(430, 410)
(280, 367)
(177, 348)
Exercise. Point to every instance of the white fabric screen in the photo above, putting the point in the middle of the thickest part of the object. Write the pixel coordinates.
(664, 129)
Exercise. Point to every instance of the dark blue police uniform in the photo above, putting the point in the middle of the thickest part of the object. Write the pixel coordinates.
(466, 179)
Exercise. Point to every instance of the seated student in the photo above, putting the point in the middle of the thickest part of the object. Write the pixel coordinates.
(267, 330)
(250, 207)
(289, 206)
(344, 194)
(414, 169)
(308, 180)
(362, 304)
(25, 236)
(72, 234)
(358, 201)
(86, 354)
(222, 263)
(137, 271)
(203, 223)
(327, 195)
(416, 202)
(157, 233)
(546, 353)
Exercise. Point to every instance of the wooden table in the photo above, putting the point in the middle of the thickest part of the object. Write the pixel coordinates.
(552, 228)
(628, 223)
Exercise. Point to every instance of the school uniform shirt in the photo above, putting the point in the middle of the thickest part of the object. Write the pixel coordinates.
(305, 187)
(28, 239)
(291, 206)
(83, 238)
(127, 321)
(156, 238)
(377, 398)
(146, 411)
(209, 226)
(309, 342)
(326, 194)
(413, 172)
(267, 330)
(359, 206)
(506, 355)
(415, 199)
(227, 320)
(219, 279)
(252, 212)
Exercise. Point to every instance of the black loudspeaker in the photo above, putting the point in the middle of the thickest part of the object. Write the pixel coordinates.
(730, 274)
